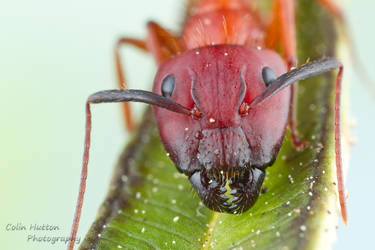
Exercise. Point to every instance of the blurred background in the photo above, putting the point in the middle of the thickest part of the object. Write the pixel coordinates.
(53, 54)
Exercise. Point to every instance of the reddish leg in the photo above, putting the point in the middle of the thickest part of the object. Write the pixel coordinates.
(283, 14)
(162, 45)
(129, 124)
(333, 8)
(364, 75)
(281, 31)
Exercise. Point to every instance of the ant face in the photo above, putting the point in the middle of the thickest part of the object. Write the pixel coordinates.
(223, 147)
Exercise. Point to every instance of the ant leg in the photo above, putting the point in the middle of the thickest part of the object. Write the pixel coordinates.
(334, 9)
(161, 43)
(282, 31)
(303, 72)
(121, 77)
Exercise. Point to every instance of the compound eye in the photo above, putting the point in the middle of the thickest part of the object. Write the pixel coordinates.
(167, 86)
(268, 75)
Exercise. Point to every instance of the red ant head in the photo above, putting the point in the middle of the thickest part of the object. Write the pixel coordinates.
(223, 140)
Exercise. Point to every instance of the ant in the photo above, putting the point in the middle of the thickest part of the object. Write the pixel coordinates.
(223, 98)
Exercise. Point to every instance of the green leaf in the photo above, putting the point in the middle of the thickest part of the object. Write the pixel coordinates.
(151, 206)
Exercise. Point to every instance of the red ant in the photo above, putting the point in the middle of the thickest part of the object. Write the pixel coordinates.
(222, 98)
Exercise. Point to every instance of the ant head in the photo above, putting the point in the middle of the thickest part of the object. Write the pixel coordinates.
(222, 140)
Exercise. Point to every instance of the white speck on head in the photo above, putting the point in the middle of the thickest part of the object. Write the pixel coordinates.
(197, 52)
(143, 230)
(138, 195)
(207, 21)
(259, 48)
(211, 120)
(225, 54)
(175, 219)
(303, 228)
(186, 129)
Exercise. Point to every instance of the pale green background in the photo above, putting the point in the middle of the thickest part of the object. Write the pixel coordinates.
(53, 54)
